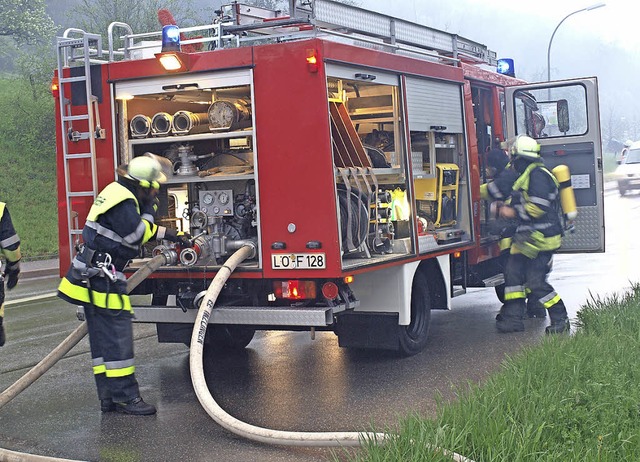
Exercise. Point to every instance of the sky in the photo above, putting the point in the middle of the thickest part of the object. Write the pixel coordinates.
(603, 42)
(616, 22)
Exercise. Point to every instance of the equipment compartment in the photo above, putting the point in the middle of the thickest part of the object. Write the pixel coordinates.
(205, 134)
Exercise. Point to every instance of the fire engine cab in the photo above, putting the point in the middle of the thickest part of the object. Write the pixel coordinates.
(346, 147)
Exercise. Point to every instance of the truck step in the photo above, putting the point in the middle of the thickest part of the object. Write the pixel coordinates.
(494, 281)
(245, 315)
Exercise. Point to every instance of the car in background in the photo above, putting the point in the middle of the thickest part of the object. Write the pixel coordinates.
(628, 172)
(623, 153)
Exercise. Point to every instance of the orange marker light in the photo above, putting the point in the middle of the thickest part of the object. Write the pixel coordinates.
(55, 87)
(312, 60)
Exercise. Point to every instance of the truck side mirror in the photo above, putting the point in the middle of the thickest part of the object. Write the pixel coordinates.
(563, 116)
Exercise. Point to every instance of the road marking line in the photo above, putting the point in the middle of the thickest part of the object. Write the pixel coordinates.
(31, 299)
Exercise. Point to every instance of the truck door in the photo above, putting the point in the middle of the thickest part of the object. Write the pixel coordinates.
(563, 116)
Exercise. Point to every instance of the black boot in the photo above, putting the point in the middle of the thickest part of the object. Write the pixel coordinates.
(559, 319)
(511, 317)
(2, 337)
(136, 407)
(535, 309)
(107, 405)
(500, 314)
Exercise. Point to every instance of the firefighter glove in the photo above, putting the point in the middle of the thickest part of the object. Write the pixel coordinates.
(12, 272)
(184, 239)
(180, 238)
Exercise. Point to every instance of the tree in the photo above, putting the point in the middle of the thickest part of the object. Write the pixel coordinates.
(26, 21)
(26, 30)
(96, 15)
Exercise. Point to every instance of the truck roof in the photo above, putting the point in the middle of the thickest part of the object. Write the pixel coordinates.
(240, 25)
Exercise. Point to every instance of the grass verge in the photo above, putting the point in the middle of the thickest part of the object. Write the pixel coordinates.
(568, 399)
(28, 173)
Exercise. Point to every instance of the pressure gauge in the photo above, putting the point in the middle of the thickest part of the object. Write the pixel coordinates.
(223, 198)
(199, 219)
(207, 198)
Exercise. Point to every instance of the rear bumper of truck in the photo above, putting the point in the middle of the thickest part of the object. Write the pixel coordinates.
(245, 315)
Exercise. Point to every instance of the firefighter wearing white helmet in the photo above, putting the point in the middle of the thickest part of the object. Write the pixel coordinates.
(120, 220)
(534, 204)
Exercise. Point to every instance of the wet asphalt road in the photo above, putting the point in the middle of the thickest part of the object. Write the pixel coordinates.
(283, 380)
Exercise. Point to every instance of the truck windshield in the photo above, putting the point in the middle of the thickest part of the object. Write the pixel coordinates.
(539, 114)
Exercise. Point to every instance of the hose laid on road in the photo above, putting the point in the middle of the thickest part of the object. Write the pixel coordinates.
(252, 432)
(57, 353)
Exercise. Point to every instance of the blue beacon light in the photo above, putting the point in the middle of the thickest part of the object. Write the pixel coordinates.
(506, 67)
(170, 38)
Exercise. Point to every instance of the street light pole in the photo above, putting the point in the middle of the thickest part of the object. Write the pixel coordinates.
(589, 8)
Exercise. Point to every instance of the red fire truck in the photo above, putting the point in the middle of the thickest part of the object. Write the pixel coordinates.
(345, 146)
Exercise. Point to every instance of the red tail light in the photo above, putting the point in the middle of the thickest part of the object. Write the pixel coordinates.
(294, 289)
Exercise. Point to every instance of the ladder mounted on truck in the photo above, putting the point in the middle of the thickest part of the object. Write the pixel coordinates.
(79, 50)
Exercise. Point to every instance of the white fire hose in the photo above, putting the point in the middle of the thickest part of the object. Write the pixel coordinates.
(252, 432)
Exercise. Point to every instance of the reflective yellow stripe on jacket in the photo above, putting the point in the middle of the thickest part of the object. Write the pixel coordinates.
(81, 295)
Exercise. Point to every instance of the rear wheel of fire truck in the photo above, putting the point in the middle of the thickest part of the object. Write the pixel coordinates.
(413, 338)
(223, 337)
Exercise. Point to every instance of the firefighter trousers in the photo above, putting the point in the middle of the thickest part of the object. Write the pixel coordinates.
(111, 343)
(524, 277)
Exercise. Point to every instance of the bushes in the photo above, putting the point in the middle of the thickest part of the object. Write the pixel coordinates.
(27, 156)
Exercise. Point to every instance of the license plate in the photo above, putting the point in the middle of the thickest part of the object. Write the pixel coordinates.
(285, 261)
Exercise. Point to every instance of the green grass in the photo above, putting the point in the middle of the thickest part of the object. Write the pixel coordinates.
(28, 172)
(569, 399)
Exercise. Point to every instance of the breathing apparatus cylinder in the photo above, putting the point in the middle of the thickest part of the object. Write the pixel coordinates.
(567, 197)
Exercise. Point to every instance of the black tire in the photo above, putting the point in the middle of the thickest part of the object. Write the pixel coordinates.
(228, 337)
(500, 292)
(413, 338)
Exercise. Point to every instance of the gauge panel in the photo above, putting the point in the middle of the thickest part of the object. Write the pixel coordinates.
(217, 202)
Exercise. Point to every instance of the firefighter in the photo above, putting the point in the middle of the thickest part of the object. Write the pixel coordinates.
(119, 222)
(535, 204)
(10, 245)
(498, 190)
